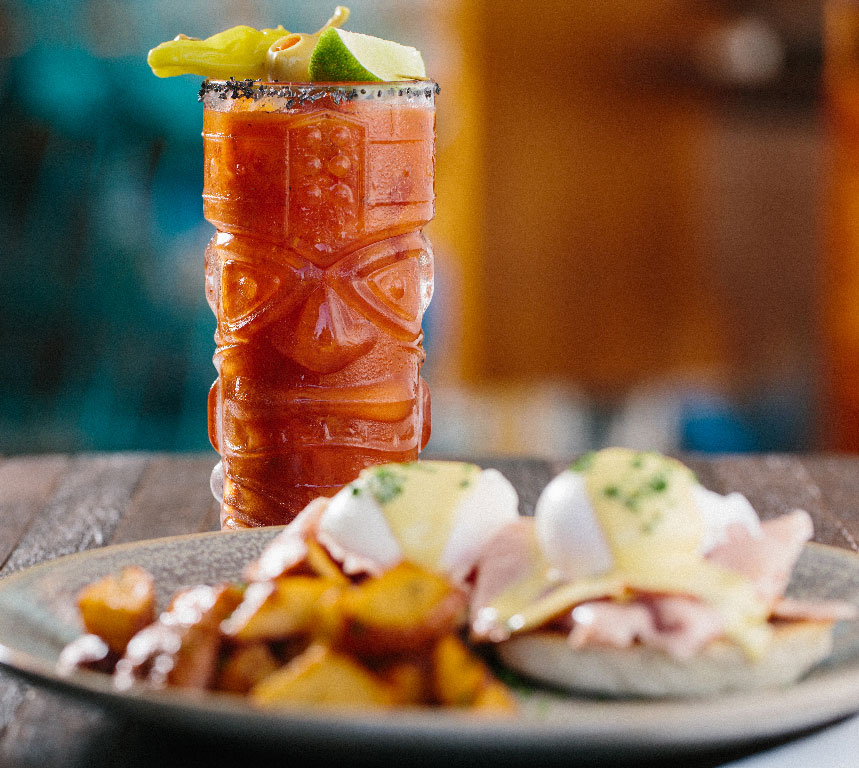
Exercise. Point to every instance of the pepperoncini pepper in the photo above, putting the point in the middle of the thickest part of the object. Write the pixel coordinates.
(238, 52)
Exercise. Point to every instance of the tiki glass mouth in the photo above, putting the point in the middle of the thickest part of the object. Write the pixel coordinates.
(306, 93)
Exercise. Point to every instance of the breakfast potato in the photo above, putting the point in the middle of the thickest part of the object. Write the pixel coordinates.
(328, 615)
(292, 555)
(244, 666)
(117, 607)
(300, 633)
(322, 564)
(276, 610)
(322, 676)
(494, 698)
(408, 679)
(462, 679)
(404, 610)
(457, 674)
(182, 647)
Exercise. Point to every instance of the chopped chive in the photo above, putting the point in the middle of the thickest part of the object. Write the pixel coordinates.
(584, 462)
(658, 483)
(385, 485)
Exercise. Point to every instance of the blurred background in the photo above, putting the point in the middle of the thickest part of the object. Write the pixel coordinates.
(647, 222)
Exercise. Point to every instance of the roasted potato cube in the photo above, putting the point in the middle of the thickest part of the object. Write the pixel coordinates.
(322, 677)
(182, 647)
(494, 698)
(458, 675)
(328, 616)
(402, 611)
(117, 607)
(275, 610)
(408, 681)
(322, 564)
(203, 605)
(245, 666)
(462, 679)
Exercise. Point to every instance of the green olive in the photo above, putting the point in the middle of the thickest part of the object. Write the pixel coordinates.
(288, 59)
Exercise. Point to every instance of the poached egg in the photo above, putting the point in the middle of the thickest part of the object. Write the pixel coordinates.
(617, 501)
(436, 514)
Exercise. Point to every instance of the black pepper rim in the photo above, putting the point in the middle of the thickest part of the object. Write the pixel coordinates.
(302, 93)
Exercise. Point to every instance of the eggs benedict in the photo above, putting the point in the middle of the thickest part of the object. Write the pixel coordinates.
(634, 579)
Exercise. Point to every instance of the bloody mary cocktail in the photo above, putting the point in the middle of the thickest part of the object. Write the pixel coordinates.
(319, 275)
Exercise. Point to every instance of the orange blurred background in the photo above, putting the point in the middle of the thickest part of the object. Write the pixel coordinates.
(647, 233)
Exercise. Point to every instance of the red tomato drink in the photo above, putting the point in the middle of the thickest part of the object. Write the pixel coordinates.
(318, 275)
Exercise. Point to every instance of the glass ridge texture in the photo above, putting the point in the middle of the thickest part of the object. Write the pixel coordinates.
(319, 274)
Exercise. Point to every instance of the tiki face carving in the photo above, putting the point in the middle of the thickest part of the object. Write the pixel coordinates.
(324, 318)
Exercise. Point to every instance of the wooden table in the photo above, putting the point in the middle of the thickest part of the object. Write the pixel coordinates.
(57, 505)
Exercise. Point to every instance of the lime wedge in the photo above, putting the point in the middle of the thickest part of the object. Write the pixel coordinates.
(342, 56)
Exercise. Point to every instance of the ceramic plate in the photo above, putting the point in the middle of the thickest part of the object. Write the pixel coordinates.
(38, 617)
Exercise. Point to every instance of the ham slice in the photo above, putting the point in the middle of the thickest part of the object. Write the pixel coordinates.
(511, 557)
(683, 625)
(679, 626)
(613, 624)
(768, 559)
(807, 610)
(288, 548)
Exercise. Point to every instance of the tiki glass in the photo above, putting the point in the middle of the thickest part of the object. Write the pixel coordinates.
(319, 275)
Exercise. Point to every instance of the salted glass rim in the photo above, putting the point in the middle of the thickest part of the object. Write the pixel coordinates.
(255, 89)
